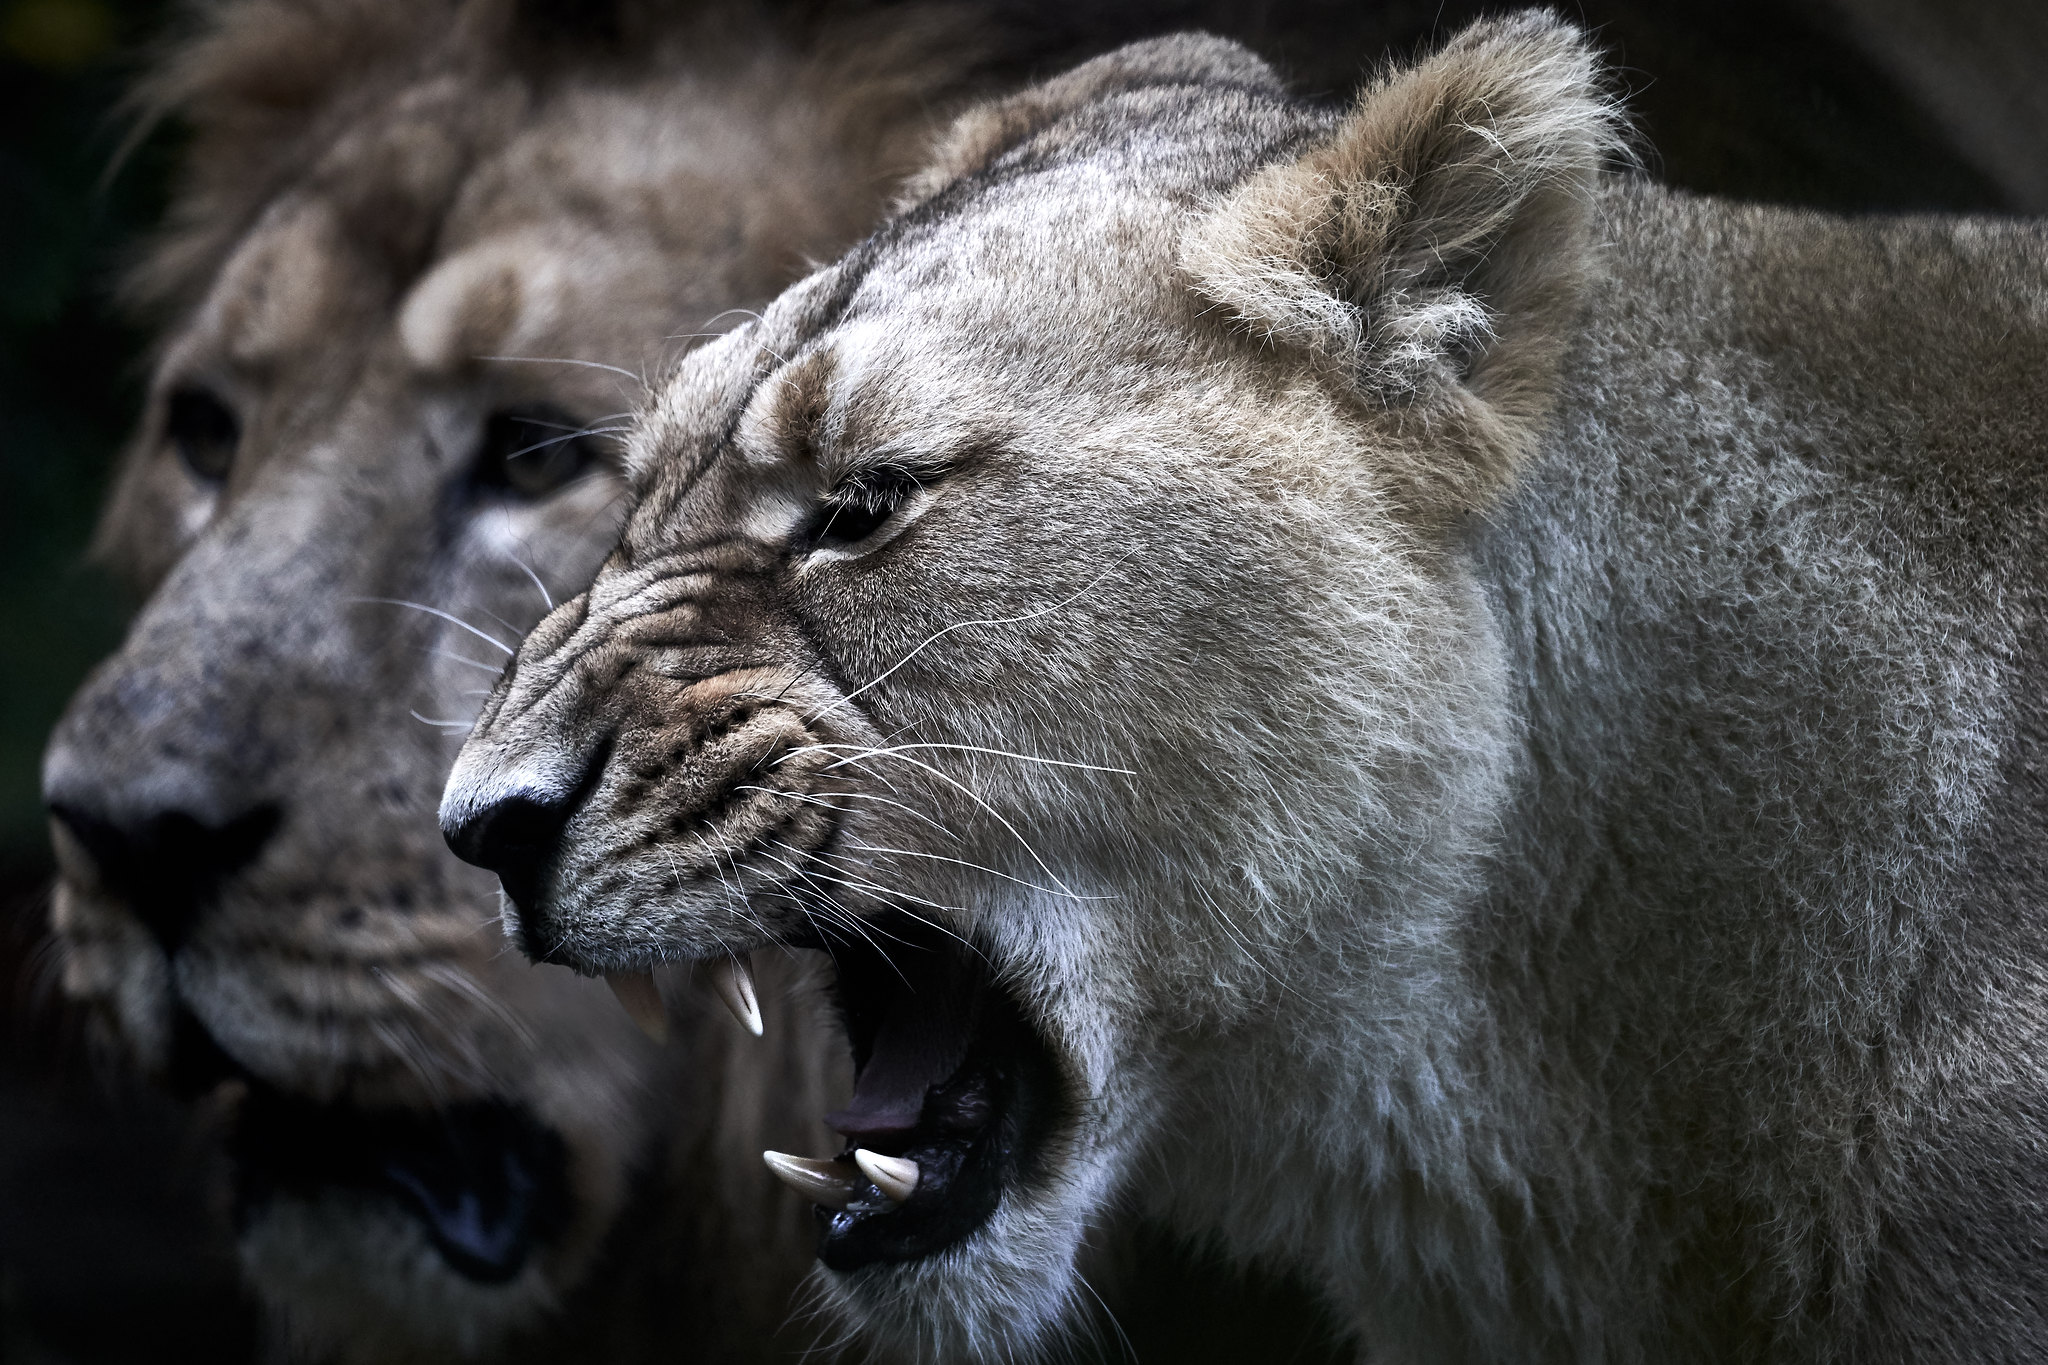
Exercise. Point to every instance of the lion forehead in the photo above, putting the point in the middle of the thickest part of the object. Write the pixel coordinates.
(500, 296)
(282, 287)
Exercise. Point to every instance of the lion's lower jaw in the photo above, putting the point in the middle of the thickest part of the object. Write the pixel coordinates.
(1004, 1293)
(345, 1280)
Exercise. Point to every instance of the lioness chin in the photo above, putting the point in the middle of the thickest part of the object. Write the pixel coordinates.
(1427, 710)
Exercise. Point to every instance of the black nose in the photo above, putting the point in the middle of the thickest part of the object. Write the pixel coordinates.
(165, 864)
(515, 836)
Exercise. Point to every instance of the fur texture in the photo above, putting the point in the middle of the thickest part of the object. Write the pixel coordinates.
(1488, 712)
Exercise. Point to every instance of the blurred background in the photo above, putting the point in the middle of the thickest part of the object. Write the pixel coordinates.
(109, 1249)
(112, 1247)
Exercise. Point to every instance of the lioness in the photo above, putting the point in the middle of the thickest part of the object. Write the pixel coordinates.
(1411, 702)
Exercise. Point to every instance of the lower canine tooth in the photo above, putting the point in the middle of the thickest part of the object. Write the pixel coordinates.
(821, 1182)
(895, 1176)
(637, 993)
(733, 979)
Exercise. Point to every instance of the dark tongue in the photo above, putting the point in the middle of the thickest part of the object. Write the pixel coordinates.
(479, 1179)
(479, 1217)
(919, 1009)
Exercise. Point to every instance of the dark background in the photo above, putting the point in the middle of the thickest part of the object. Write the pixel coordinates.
(110, 1249)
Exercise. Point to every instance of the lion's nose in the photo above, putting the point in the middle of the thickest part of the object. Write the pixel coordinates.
(162, 863)
(514, 834)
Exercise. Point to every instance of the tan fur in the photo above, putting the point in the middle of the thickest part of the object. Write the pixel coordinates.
(1487, 713)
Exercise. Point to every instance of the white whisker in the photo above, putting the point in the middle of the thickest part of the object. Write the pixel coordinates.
(937, 635)
(545, 595)
(907, 809)
(449, 617)
(978, 800)
(977, 867)
(493, 669)
(639, 379)
(968, 749)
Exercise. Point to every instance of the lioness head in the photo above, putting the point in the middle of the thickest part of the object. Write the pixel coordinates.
(421, 254)
(1047, 611)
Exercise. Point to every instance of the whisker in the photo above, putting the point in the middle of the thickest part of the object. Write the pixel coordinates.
(907, 809)
(568, 434)
(845, 917)
(449, 617)
(895, 897)
(962, 862)
(457, 979)
(493, 669)
(937, 635)
(977, 799)
(639, 379)
(545, 595)
(893, 901)
(1125, 1350)
(971, 749)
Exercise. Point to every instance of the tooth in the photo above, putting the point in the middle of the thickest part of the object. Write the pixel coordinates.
(895, 1176)
(637, 993)
(733, 979)
(821, 1182)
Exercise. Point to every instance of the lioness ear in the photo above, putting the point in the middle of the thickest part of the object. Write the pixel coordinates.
(985, 132)
(1435, 248)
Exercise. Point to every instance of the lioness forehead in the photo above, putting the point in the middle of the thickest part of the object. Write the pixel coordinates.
(935, 333)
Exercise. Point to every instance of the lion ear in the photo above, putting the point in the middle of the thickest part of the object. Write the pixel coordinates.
(1435, 248)
(985, 132)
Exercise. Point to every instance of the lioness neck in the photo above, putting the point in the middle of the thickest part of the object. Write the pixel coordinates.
(1764, 604)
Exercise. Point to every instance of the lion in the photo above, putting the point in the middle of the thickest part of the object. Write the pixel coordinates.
(1372, 683)
(419, 256)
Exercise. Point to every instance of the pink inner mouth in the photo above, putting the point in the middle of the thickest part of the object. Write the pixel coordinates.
(919, 1044)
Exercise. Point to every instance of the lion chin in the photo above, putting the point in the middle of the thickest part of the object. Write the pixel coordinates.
(1369, 684)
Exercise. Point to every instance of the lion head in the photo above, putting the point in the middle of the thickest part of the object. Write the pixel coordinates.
(421, 254)
(1003, 616)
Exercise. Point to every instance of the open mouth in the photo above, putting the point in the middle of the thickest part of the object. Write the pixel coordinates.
(485, 1181)
(955, 1099)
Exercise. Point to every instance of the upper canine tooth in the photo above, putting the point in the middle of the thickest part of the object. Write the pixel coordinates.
(637, 993)
(733, 979)
(895, 1176)
(821, 1182)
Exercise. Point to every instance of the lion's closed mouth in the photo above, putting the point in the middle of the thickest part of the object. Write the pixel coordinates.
(954, 1097)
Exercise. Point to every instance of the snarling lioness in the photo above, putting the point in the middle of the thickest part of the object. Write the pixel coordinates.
(1411, 702)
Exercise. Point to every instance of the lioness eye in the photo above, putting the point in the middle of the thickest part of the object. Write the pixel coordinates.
(531, 452)
(204, 432)
(857, 510)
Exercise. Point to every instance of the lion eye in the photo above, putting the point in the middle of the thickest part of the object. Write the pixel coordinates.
(531, 452)
(204, 431)
(857, 510)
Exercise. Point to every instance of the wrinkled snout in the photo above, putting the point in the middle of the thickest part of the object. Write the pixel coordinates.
(637, 806)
